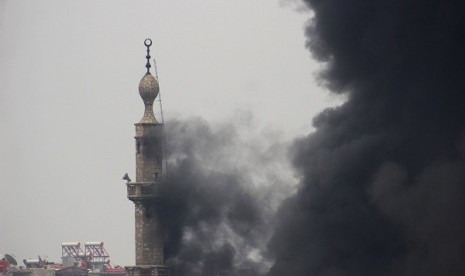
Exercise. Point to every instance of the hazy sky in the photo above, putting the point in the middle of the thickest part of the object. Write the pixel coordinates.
(69, 72)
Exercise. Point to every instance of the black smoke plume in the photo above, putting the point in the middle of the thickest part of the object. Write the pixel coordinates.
(382, 189)
(222, 187)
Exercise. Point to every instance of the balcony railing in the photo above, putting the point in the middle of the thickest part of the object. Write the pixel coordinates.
(143, 190)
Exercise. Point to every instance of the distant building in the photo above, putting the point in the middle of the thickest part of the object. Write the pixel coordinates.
(34, 272)
(64, 271)
(71, 271)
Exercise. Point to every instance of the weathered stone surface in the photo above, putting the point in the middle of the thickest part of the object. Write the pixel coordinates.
(144, 193)
(148, 90)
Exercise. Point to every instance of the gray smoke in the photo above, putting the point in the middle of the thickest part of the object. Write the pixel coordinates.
(382, 189)
(223, 185)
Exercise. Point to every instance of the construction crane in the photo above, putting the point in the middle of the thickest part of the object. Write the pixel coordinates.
(93, 257)
(73, 255)
(98, 256)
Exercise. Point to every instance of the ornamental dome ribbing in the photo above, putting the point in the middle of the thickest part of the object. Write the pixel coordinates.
(148, 90)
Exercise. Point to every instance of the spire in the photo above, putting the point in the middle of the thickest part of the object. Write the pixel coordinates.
(148, 43)
(148, 89)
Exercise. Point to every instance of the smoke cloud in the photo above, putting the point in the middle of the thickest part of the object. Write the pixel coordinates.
(223, 184)
(381, 188)
(382, 179)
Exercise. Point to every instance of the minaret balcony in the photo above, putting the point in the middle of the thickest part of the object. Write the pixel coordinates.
(143, 190)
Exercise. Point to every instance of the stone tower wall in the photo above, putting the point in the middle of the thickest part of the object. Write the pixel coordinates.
(149, 235)
(148, 152)
(149, 228)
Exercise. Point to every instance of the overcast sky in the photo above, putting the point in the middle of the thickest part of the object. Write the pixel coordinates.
(69, 72)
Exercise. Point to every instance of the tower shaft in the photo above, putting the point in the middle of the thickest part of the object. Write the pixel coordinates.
(148, 200)
(149, 228)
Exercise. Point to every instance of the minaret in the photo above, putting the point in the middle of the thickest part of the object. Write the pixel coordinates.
(145, 192)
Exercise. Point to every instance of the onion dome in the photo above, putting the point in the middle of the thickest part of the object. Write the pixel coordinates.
(148, 89)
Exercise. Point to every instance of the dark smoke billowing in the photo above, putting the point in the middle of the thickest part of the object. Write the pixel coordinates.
(223, 185)
(382, 179)
(382, 188)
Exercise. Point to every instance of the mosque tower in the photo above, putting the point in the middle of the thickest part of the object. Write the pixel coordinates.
(145, 191)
